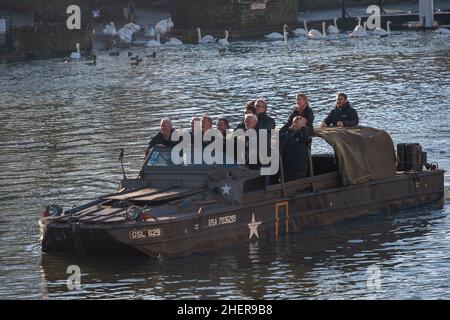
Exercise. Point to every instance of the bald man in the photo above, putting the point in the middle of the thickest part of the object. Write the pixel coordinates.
(162, 138)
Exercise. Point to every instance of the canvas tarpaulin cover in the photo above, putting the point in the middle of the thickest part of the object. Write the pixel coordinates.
(362, 154)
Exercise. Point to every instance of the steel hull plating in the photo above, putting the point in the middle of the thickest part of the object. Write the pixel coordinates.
(269, 217)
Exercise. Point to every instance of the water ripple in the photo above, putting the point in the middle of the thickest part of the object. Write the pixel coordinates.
(62, 126)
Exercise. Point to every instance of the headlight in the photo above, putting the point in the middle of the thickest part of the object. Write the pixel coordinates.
(134, 213)
(54, 210)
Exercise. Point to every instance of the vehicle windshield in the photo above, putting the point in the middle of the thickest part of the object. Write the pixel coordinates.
(162, 157)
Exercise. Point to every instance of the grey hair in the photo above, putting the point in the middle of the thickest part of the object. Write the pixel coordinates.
(164, 120)
(251, 115)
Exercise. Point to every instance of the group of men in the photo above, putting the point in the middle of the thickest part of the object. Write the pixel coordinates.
(295, 134)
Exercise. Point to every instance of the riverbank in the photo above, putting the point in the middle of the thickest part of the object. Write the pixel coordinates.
(360, 10)
(62, 43)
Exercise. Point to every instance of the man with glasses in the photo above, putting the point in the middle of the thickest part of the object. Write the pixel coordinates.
(343, 115)
(264, 121)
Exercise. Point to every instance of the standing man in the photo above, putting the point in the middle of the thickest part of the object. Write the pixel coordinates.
(223, 125)
(162, 138)
(343, 115)
(264, 121)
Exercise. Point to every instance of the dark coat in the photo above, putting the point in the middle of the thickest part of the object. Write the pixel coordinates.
(159, 139)
(346, 114)
(248, 151)
(241, 125)
(306, 113)
(294, 151)
(265, 122)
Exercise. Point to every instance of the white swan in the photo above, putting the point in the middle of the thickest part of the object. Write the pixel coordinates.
(126, 35)
(76, 55)
(127, 31)
(149, 32)
(154, 43)
(333, 29)
(133, 27)
(359, 31)
(442, 31)
(206, 39)
(170, 23)
(282, 42)
(174, 42)
(301, 31)
(110, 29)
(276, 35)
(381, 31)
(316, 35)
(164, 26)
(224, 41)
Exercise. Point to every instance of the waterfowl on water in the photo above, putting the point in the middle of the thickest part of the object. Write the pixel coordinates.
(224, 41)
(76, 55)
(316, 35)
(276, 35)
(359, 31)
(301, 31)
(381, 31)
(333, 29)
(442, 31)
(206, 39)
(154, 43)
(282, 43)
(174, 42)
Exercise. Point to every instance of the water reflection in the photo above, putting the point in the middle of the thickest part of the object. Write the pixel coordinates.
(329, 262)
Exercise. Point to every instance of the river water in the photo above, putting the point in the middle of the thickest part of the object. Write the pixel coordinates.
(62, 125)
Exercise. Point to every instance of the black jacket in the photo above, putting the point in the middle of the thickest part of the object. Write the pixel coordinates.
(294, 151)
(265, 122)
(306, 113)
(159, 139)
(249, 151)
(346, 114)
(241, 125)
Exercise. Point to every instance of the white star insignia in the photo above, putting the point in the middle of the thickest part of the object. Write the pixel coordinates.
(226, 189)
(253, 226)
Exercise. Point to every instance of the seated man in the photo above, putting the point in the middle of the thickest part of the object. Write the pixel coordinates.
(294, 149)
(343, 115)
(193, 121)
(250, 122)
(162, 138)
(206, 123)
(222, 125)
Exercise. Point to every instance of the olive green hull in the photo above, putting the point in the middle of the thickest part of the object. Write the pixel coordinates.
(267, 215)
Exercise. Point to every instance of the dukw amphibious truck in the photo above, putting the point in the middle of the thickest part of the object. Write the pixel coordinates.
(173, 210)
